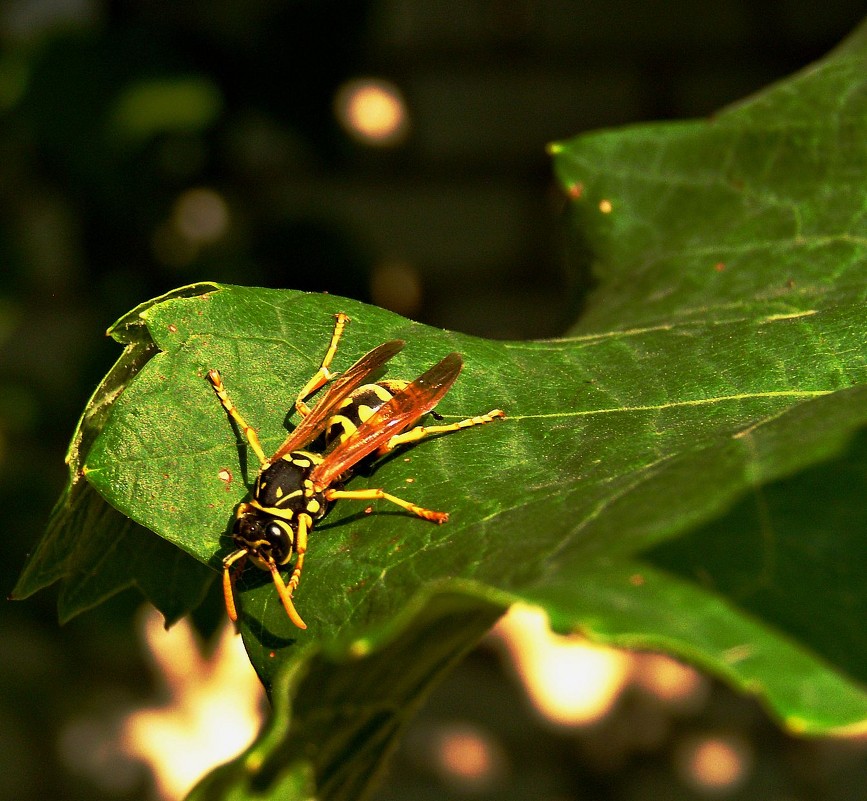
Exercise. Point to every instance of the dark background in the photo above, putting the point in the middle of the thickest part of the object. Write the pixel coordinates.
(458, 226)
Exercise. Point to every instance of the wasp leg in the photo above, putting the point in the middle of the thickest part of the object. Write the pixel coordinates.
(323, 375)
(304, 524)
(285, 596)
(379, 494)
(229, 581)
(421, 432)
(249, 433)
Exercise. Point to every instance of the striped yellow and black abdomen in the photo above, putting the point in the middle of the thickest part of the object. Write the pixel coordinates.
(355, 410)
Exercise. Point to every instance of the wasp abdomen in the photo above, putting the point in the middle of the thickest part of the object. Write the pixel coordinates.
(358, 408)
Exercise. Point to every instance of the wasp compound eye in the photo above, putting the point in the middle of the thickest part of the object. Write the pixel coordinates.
(280, 541)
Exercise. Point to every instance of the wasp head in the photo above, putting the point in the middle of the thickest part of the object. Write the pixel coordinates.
(266, 538)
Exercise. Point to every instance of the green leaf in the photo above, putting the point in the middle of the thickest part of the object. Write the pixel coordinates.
(96, 550)
(684, 472)
(571, 498)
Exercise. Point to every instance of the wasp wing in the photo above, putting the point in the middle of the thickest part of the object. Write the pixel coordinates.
(347, 382)
(407, 406)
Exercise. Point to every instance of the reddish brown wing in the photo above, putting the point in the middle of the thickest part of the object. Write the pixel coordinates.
(311, 426)
(415, 400)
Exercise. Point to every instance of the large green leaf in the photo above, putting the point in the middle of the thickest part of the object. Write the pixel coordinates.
(685, 471)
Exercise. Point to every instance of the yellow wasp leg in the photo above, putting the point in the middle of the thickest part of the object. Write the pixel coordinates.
(304, 524)
(379, 494)
(229, 583)
(285, 596)
(249, 433)
(323, 375)
(420, 432)
(282, 590)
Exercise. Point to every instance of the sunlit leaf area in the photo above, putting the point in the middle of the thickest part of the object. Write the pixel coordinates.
(645, 233)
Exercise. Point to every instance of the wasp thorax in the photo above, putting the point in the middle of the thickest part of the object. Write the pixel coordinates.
(265, 538)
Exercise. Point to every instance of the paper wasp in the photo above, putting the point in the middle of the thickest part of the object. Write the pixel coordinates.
(297, 484)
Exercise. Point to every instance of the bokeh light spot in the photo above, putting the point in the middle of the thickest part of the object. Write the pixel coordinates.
(670, 681)
(201, 216)
(715, 764)
(372, 111)
(396, 286)
(468, 758)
